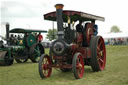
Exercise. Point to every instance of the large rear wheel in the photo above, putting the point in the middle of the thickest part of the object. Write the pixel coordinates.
(45, 68)
(98, 52)
(78, 66)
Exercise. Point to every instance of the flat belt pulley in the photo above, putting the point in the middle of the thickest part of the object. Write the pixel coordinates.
(30, 40)
(88, 32)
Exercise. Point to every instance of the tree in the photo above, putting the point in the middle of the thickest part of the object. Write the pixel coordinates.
(51, 34)
(115, 29)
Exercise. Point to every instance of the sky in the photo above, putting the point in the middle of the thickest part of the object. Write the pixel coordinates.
(29, 13)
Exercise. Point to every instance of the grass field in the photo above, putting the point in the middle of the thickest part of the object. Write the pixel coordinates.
(115, 73)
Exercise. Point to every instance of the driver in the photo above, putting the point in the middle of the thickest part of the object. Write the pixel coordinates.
(79, 27)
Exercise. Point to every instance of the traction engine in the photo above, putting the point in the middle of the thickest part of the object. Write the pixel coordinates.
(74, 48)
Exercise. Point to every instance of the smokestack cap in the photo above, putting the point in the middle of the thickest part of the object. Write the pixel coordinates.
(59, 6)
(7, 23)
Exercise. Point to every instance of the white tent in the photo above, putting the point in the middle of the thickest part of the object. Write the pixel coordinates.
(116, 38)
(115, 35)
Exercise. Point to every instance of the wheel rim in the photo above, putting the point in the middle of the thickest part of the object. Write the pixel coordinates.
(46, 69)
(80, 66)
(101, 53)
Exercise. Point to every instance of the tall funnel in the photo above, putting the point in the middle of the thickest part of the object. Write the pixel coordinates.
(59, 10)
(7, 30)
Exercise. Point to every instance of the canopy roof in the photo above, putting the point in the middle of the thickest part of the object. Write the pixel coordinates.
(74, 16)
(21, 30)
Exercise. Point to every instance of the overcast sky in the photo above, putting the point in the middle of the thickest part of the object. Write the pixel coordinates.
(29, 13)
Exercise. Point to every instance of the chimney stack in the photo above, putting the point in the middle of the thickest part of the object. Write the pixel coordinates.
(7, 30)
(59, 12)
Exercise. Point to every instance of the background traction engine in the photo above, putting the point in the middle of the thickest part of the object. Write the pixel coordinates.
(28, 47)
(72, 50)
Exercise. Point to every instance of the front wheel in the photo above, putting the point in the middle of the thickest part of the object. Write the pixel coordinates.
(45, 68)
(78, 66)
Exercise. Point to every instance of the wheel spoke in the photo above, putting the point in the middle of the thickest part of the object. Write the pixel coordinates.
(101, 52)
(100, 44)
(42, 66)
(100, 60)
(47, 62)
(98, 54)
(45, 72)
(89, 31)
(98, 49)
(44, 60)
(36, 50)
(80, 66)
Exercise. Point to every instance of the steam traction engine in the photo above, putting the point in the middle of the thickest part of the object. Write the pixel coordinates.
(74, 48)
(21, 48)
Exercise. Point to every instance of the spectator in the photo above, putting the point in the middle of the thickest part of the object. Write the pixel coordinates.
(40, 37)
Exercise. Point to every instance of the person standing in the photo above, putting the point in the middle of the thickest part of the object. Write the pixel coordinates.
(40, 37)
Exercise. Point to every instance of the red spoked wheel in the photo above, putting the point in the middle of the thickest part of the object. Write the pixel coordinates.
(78, 66)
(45, 68)
(98, 52)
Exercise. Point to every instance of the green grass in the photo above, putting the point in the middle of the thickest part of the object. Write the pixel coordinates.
(115, 73)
